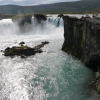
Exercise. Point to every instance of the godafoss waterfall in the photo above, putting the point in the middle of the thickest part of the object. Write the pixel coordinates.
(50, 75)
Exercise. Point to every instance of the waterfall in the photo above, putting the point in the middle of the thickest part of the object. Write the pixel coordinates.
(12, 29)
(51, 75)
(55, 21)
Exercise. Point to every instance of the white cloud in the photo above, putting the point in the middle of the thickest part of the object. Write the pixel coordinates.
(30, 2)
(19, 0)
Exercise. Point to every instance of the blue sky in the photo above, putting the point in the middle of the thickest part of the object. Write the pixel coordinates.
(31, 2)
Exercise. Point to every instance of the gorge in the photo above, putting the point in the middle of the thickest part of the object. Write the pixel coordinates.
(53, 74)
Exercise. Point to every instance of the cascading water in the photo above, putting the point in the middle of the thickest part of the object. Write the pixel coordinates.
(51, 75)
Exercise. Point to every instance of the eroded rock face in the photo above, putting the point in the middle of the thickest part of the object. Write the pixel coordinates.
(98, 81)
(40, 17)
(82, 40)
(91, 43)
(23, 21)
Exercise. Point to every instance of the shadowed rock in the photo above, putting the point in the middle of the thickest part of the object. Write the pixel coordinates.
(60, 15)
(21, 43)
(82, 39)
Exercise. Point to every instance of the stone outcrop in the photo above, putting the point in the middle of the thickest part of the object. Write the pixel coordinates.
(23, 21)
(40, 17)
(5, 16)
(98, 81)
(24, 51)
(60, 15)
(82, 39)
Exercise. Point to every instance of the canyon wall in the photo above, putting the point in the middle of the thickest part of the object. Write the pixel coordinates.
(82, 40)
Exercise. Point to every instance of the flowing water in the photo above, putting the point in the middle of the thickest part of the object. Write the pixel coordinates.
(51, 75)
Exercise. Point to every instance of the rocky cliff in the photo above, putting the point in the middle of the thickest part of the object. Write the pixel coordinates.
(82, 39)
(23, 22)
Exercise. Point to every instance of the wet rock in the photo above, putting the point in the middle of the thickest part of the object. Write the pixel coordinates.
(24, 51)
(5, 16)
(22, 19)
(82, 40)
(46, 42)
(23, 56)
(21, 43)
(1, 50)
(40, 17)
(98, 81)
(60, 15)
(23, 22)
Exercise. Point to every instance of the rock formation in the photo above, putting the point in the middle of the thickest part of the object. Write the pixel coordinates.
(23, 22)
(39, 18)
(82, 39)
(24, 51)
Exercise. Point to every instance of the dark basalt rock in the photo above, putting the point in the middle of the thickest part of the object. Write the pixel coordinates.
(40, 17)
(23, 22)
(60, 15)
(98, 81)
(24, 50)
(21, 43)
(82, 39)
(5, 16)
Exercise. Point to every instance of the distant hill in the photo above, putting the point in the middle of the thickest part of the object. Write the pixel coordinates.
(62, 7)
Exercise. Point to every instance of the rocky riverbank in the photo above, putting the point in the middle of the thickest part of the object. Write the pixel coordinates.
(82, 39)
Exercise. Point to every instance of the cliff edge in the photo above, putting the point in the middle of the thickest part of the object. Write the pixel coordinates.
(82, 39)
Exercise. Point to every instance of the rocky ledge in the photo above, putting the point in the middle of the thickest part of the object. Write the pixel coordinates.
(82, 39)
(24, 51)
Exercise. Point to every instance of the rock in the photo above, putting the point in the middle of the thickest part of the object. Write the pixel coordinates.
(98, 81)
(24, 51)
(60, 15)
(23, 22)
(8, 48)
(40, 17)
(23, 56)
(21, 43)
(5, 16)
(1, 50)
(82, 40)
(22, 19)
(46, 42)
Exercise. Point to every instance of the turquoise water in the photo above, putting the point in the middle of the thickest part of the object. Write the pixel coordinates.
(51, 75)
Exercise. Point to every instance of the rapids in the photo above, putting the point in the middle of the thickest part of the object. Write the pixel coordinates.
(51, 75)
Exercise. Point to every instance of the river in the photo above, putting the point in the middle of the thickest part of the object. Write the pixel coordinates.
(51, 75)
